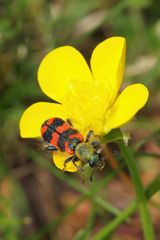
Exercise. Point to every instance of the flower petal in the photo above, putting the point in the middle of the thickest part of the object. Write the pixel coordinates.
(129, 102)
(60, 69)
(36, 114)
(60, 157)
(108, 63)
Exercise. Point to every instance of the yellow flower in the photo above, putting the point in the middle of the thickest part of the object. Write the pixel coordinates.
(89, 98)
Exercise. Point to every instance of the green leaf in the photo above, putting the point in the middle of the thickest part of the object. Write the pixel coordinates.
(114, 136)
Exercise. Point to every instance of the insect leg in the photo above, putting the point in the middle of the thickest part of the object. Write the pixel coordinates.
(89, 135)
(66, 161)
(91, 177)
(49, 147)
(69, 122)
(74, 159)
(79, 168)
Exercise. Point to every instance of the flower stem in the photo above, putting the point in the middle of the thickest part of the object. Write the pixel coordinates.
(142, 202)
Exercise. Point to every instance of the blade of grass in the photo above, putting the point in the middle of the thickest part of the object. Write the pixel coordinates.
(109, 228)
(144, 211)
(145, 154)
(84, 234)
(89, 193)
(54, 223)
(86, 194)
(141, 143)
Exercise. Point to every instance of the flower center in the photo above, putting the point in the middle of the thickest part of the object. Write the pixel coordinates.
(85, 107)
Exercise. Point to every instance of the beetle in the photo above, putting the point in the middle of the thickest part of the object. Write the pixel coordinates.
(61, 135)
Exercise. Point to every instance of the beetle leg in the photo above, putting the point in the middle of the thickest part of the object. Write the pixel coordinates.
(79, 168)
(68, 160)
(69, 122)
(89, 135)
(49, 147)
(74, 159)
(91, 176)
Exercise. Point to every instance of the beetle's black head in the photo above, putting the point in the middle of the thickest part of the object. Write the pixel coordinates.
(97, 161)
(93, 161)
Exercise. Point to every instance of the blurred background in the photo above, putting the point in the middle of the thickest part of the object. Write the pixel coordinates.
(37, 201)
